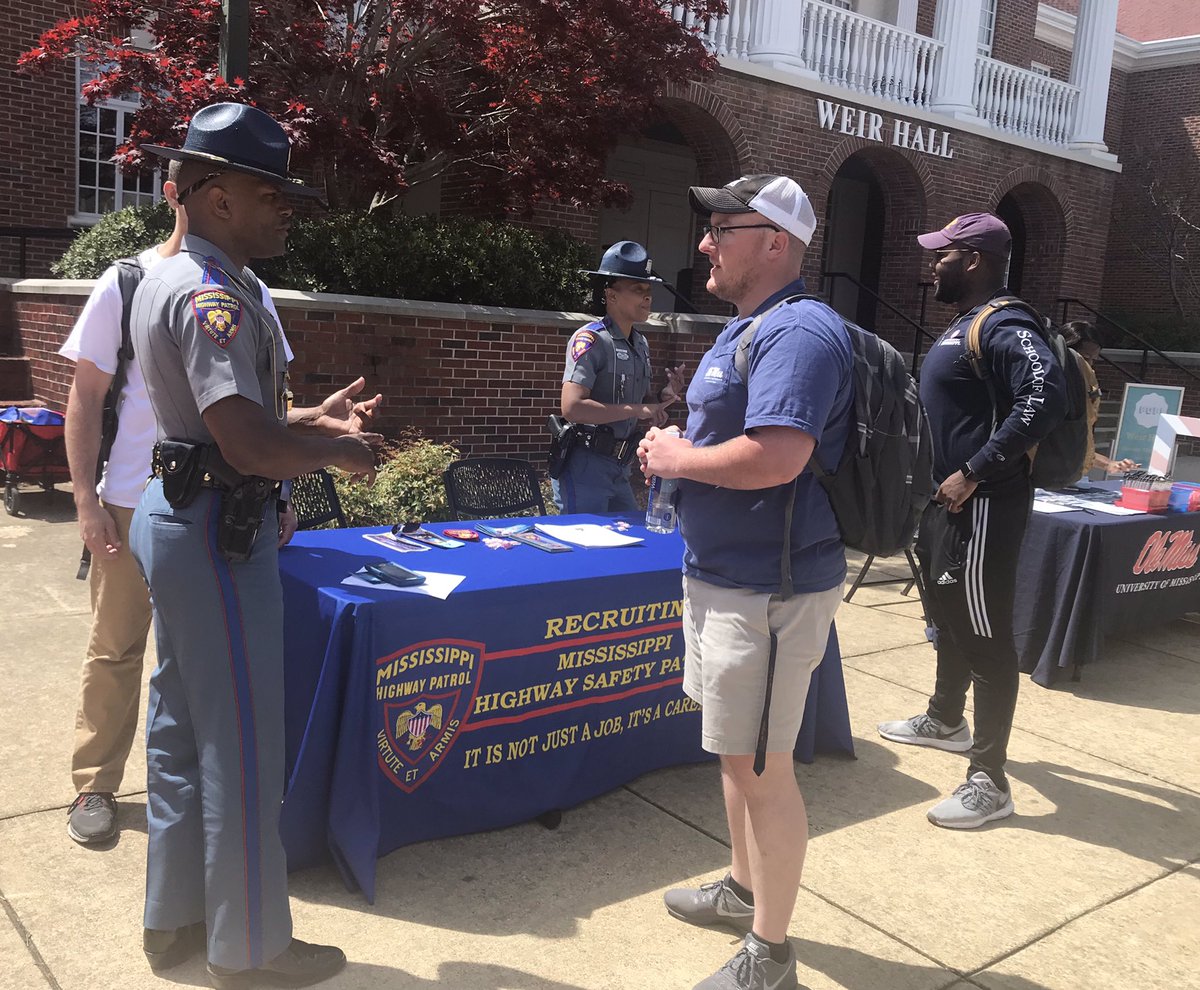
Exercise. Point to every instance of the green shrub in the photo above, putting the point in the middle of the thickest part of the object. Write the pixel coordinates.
(456, 260)
(408, 486)
(115, 235)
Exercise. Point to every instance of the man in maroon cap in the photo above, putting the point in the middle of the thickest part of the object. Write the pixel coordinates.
(971, 533)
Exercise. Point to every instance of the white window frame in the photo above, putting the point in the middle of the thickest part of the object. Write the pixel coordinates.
(123, 109)
(1040, 69)
(987, 28)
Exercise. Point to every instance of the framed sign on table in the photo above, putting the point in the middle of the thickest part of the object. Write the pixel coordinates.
(1141, 408)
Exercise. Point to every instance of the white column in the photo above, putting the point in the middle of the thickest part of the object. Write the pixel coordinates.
(906, 15)
(775, 28)
(956, 26)
(1091, 66)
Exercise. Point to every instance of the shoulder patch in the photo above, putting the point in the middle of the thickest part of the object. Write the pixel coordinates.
(219, 313)
(213, 273)
(581, 343)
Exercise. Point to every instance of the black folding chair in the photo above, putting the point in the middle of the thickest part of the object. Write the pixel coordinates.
(492, 488)
(315, 500)
(914, 577)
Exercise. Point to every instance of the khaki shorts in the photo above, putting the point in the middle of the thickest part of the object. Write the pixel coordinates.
(727, 634)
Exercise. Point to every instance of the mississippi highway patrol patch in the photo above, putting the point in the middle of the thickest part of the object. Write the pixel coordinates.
(581, 343)
(219, 314)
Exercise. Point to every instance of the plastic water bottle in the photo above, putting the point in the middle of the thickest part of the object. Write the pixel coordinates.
(660, 509)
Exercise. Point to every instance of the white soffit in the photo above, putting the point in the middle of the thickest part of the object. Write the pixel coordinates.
(1057, 27)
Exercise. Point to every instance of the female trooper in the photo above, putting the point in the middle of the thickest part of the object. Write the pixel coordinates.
(606, 384)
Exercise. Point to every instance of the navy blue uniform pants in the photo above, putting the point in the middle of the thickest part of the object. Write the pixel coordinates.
(594, 483)
(214, 734)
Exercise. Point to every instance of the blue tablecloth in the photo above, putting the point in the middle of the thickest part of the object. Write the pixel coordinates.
(1083, 575)
(542, 681)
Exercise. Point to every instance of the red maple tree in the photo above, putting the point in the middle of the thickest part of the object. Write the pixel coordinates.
(379, 95)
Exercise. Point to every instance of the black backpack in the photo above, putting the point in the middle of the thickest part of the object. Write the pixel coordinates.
(129, 276)
(1060, 459)
(884, 480)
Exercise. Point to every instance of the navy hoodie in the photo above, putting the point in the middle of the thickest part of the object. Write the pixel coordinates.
(1031, 398)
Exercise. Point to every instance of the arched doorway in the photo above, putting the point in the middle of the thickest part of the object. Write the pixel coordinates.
(687, 144)
(657, 166)
(875, 209)
(854, 240)
(1039, 232)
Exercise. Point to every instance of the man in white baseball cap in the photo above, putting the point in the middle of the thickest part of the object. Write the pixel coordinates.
(773, 393)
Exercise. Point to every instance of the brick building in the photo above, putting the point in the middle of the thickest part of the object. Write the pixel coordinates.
(895, 115)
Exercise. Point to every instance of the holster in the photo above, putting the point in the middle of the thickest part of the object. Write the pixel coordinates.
(562, 441)
(242, 515)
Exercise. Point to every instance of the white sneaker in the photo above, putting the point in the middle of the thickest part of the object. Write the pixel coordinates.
(921, 730)
(973, 803)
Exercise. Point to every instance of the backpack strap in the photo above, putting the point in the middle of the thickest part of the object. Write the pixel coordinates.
(974, 342)
(741, 360)
(129, 276)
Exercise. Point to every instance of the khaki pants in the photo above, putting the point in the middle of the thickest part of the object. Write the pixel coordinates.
(111, 682)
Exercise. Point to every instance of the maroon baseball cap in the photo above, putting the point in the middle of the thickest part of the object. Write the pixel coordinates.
(980, 231)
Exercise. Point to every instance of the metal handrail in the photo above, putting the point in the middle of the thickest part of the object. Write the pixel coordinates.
(1146, 345)
(24, 234)
(892, 309)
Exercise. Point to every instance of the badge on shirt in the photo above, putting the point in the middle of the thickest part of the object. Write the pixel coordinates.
(213, 273)
(219, 313)
(623, 355)
(581, 343)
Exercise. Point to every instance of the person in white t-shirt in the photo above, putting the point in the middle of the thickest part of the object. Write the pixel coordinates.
(111, 678)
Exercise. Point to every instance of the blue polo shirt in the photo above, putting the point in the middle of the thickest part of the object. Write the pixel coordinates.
(800, 376)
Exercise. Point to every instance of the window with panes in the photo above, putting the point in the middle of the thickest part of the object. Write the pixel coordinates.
(100, 186)
(987, 27)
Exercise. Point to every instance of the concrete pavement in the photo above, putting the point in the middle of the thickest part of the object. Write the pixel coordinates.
(1094, 883)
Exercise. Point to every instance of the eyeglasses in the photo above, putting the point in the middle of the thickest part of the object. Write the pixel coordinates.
(715, 232)
(184, 194)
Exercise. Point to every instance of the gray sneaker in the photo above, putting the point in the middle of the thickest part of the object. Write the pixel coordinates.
(973, 803)
(752, 968)
(713, 904)
(921, 730)
(92, 818)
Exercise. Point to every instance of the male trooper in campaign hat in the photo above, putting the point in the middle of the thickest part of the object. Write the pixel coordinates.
(744, 499)
(606, 385)
(205, 536)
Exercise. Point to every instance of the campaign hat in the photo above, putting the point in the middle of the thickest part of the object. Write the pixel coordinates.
(984, 232)
(626, 259)
(775, 197)
(237, 138)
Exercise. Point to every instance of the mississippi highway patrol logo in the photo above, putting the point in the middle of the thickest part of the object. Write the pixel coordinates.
(423, 694)
(219, 314)
(581, 343)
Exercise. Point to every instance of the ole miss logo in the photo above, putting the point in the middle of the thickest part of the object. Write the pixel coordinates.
(1167, 551)
(423, 694)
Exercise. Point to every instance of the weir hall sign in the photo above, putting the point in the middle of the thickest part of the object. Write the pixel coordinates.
(858, 122)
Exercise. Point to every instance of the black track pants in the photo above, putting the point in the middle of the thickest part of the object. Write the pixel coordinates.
(969, 565)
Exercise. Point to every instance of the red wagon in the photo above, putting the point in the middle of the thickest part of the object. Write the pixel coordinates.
(32, 450)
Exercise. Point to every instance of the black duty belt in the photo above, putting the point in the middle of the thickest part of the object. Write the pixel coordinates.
(600, 440)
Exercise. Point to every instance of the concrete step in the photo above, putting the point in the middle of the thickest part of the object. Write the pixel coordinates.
(15, 378)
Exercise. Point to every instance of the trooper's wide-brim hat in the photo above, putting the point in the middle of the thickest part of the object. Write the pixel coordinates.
(625, 259)
(241, 139)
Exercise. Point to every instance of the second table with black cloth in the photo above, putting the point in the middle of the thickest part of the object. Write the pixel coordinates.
(542, 681)
(1083, 575)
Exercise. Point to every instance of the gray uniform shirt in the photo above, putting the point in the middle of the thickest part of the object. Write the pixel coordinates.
(614, 369)
(202, 336)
